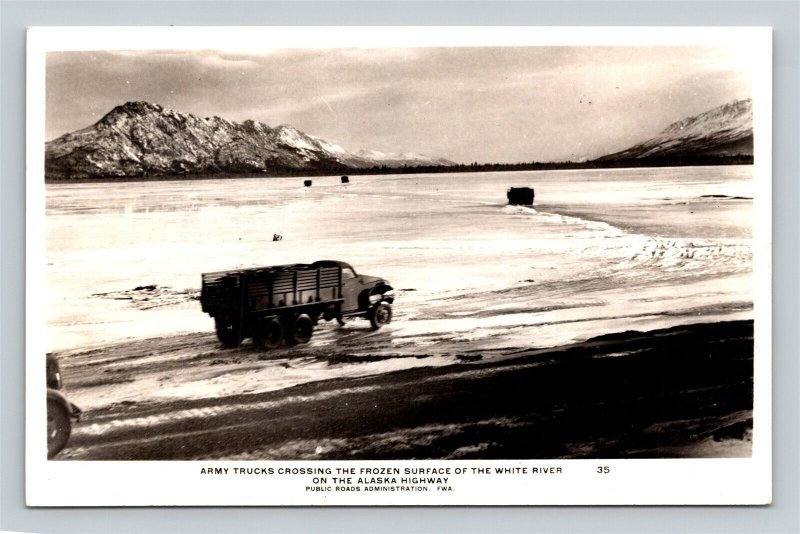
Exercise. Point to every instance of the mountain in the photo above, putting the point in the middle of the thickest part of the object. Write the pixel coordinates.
(139, 139)
(393, 159)
(723, 132)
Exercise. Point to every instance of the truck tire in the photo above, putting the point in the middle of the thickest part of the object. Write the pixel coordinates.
(269, 333)
(379, 315)
(300, 329)
(59, 427)
(228, 332)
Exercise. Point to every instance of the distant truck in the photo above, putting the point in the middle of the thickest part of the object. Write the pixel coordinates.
(520, 196)
(283, 303)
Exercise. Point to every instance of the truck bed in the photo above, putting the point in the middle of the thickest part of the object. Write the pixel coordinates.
(261, 289)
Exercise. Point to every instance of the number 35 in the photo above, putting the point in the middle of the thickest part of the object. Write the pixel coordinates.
(603, 469)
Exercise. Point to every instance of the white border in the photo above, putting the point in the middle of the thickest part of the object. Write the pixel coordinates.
(256, 39)
(706, 481)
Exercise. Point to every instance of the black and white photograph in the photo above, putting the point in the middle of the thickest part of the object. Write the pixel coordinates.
(387, 262)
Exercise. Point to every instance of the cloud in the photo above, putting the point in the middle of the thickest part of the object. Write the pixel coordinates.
(468, 104)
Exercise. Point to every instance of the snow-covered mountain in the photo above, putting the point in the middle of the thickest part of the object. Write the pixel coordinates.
(726, 130)
(143, 139)
(394, 159)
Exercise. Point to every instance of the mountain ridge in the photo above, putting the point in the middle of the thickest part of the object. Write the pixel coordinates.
(723, 131)
(142, 139)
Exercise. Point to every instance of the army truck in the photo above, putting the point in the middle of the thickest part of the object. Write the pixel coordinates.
(283, 303)
(60, 411)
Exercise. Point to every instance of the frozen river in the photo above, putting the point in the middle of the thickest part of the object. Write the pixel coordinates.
(603, 251)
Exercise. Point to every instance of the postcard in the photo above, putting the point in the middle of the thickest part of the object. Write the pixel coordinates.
(398, 266)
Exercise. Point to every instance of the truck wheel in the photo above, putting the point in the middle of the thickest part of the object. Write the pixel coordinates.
(228, 332)
(59, 427)
(269, 333)
(380, 315)
(300, 330)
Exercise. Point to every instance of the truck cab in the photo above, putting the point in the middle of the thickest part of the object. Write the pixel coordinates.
(360, 292)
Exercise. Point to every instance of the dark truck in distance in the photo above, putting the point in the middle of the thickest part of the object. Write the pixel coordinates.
(520, 196)
(284, 302)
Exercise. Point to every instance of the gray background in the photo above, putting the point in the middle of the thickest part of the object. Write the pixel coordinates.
(782, 516)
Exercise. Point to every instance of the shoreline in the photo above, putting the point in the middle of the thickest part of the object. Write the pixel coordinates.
(685, 391)
(545, 167)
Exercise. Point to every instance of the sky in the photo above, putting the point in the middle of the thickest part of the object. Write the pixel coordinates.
(466, 104)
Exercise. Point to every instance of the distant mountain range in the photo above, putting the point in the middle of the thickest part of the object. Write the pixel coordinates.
(725, 131)
(140, 139)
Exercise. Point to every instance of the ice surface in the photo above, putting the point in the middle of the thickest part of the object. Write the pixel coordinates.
(602, 251)
(451, 238)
